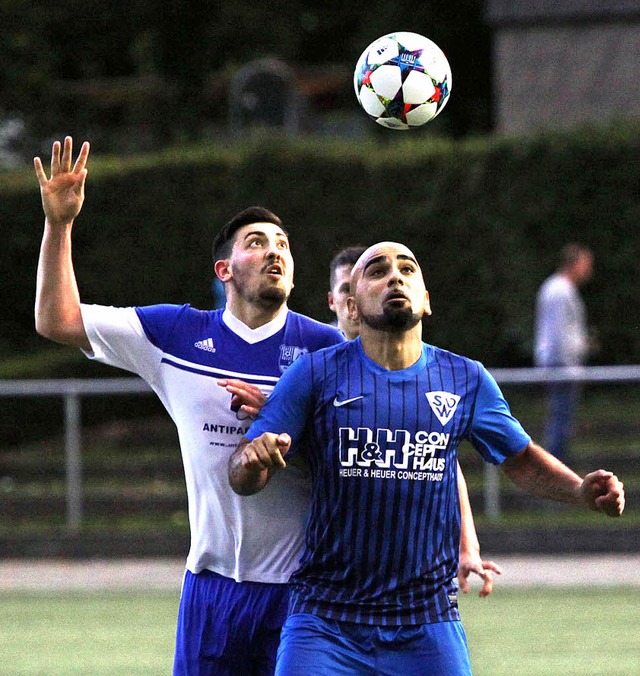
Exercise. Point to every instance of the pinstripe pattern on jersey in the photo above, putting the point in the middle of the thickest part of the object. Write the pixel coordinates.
(382, 544)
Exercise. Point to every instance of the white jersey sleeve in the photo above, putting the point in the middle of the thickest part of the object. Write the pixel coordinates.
(118, 339)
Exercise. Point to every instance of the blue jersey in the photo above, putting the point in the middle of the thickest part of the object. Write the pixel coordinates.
(383, 534)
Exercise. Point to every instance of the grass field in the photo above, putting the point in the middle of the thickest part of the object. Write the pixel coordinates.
(554, 632)
(88, 634)
(536, 631)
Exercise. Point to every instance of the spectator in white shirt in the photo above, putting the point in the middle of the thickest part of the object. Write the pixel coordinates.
(562, 339)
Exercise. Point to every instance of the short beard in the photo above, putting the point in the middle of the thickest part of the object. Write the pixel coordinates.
(393, 320)
(270, 298)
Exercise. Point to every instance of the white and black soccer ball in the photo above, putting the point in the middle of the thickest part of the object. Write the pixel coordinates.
(402, 80)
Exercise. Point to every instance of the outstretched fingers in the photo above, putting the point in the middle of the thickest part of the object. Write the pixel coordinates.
(67, 154)
(61, 160)
(63, 192)
(40, 172)
(83, 156)
(55, 158)
(244, 395)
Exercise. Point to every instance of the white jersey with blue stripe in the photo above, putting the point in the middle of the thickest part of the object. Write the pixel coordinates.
(182, 352)
(384, 527)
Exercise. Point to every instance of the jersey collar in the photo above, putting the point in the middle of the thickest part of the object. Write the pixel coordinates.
(402, 374)
(255, 335)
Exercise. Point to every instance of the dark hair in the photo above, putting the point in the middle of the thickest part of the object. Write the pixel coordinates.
(223, 241)
(571, 253)
(347, 256)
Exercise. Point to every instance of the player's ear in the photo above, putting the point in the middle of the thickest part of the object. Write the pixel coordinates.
(222, 268)
(352, 309)
(332, 304)
(427, 303)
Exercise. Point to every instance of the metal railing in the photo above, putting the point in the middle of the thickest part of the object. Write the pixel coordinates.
(544, 376)
(73, 390)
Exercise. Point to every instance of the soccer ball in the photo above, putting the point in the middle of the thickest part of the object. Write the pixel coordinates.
(402, 80)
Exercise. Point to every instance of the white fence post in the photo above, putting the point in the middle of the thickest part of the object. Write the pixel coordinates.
(491, 491)
(71, 391)
(73, 460)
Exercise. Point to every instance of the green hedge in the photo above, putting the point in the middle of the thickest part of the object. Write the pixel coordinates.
(486, 218)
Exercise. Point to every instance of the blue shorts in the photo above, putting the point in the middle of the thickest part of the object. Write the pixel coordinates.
(311, 646)
(227, 627)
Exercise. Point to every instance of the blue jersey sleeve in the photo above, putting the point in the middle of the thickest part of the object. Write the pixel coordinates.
(495, 433)
(158, 321)
(289, 405)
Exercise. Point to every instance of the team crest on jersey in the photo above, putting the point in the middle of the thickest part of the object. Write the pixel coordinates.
(443, 404)
(288, 354)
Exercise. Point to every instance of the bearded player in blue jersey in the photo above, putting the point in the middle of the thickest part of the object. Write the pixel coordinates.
(470, 561)
(380, 419)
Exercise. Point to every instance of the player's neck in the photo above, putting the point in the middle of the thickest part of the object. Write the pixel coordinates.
(392, 351)
(253, 315)
(350, 332)
(569, 276)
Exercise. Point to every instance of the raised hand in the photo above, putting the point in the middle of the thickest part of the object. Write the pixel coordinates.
(63, 193)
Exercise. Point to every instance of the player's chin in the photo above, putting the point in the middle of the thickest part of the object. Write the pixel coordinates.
(400, 317)
(276, 293)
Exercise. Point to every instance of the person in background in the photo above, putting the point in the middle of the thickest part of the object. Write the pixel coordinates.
(380, 419)
(562, 339)
(339, 288)
(470, 560)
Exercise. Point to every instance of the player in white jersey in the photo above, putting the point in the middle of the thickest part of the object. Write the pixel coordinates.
(234, 595)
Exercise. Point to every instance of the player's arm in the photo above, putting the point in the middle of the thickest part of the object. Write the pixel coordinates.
(470, 559)
(541, 474)
(57, 307)
(260, 453)
(253, 463)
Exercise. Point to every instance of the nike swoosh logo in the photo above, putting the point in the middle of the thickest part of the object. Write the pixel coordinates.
(337, 403)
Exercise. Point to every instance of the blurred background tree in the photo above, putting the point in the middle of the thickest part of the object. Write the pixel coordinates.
(139, 74)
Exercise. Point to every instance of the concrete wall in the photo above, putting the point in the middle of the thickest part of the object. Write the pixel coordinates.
(561, 76)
